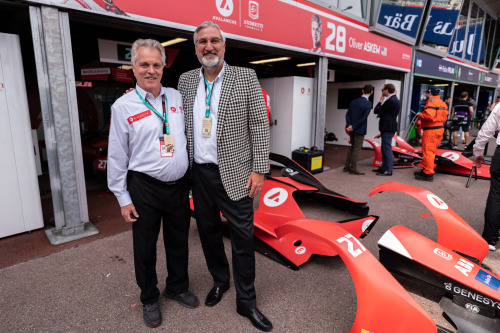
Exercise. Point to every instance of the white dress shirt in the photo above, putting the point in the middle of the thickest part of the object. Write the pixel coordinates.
(205, 148)
(488, 129)
(134, 140)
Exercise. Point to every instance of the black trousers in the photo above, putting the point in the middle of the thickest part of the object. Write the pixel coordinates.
(210, 198)
(492, 211)
(156, 202)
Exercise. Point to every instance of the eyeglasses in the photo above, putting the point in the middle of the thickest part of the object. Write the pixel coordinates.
(213, 41)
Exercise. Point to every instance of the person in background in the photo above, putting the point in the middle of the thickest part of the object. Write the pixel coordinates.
(228, 142)
(387, 109)
(147, 142)
(355, 124)
(492, 210)
(433, 118)
(461, 116)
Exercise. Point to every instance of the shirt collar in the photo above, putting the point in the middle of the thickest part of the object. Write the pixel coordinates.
(219, 77)
(146, 94)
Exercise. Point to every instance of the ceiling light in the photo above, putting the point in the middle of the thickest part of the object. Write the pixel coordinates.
(265, 61)
(173, 41)
(126, 67)
(306, 64)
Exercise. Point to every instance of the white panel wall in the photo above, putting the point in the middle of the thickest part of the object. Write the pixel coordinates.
(19, 192)
(335, 118)
(291, 105)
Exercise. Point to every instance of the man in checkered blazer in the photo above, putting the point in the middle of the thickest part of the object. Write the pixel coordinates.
(228, 143)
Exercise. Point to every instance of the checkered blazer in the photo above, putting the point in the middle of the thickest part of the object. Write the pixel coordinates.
(242, 126)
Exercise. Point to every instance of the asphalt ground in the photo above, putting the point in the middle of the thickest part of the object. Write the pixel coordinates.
(90, 286)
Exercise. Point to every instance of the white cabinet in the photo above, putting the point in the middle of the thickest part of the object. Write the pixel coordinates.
(291, 106)
(20, 208)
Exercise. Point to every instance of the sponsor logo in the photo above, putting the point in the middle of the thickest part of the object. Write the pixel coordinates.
(443, 254)
(472, 308)
(300, 250)
(419, 62)
(302, 90)
(452, 156)
(138, 116)
(275, 197)
(475, 296)
(406, 56)
(253, 10)
(225, 7)
(173, 109)
(365, 331)
(436, 201)
(291, 172)
(487, 279)
(95, 71)
(464, 266)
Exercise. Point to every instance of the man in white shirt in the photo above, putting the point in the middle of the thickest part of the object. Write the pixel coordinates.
(492, 210)
(147, 142)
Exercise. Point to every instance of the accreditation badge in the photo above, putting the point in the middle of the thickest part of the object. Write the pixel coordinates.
(206, 128)
(163, 148)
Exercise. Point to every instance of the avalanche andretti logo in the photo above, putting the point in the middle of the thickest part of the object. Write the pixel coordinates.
(138, 116)
(451, 155)
(275, 197)
(225, 7)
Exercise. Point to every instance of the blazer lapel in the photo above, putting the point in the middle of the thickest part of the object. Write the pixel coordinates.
(225, 96)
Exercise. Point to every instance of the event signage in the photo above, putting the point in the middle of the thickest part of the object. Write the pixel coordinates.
(440, 26)
(403, 19)
(277, 23)
(429, 65)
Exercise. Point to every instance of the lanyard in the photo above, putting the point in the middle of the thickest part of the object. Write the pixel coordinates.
(164, 118)
(209, 96)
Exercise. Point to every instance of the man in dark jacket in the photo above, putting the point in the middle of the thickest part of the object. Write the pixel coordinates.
(387, 109)
(355, 124)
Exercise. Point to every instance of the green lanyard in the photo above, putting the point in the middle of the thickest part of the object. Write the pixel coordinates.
(209, 96)
(165, 113)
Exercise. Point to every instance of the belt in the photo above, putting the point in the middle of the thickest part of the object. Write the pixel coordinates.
(432, 127)
(208, 166)
(152, 180)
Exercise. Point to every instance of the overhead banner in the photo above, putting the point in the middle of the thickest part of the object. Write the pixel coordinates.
(432, 66)
(289, 24)
(440, 26)
(403, 19)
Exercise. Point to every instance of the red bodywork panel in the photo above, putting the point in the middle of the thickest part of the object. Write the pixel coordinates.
(453, 232)
(382, 303)
(451, 161)
(277, 207)
(442, 259)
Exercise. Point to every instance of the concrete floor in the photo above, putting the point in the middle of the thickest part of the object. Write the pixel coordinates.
(89, 285)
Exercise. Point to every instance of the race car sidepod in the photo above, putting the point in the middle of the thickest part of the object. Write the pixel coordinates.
(453, 232)
(382, 303)
(472, 295)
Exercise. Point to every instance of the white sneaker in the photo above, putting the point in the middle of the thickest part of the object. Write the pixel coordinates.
(492, 247)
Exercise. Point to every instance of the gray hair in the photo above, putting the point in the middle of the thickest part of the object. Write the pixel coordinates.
(207, 24)
(148, 43)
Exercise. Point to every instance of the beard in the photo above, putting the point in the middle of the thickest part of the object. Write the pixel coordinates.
(211, 63)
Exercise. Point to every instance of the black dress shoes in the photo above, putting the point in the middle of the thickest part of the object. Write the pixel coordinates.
(384, 173)
(378, 170)
(256, 318)
(215, 295)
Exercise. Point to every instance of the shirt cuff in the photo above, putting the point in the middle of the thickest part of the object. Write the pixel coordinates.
(477, 152)
(125, 199)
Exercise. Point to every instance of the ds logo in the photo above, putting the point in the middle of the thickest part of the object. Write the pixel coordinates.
(451, 156)
(225, 7)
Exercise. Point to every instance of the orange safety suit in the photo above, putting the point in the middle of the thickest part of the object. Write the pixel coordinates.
(433, 118)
